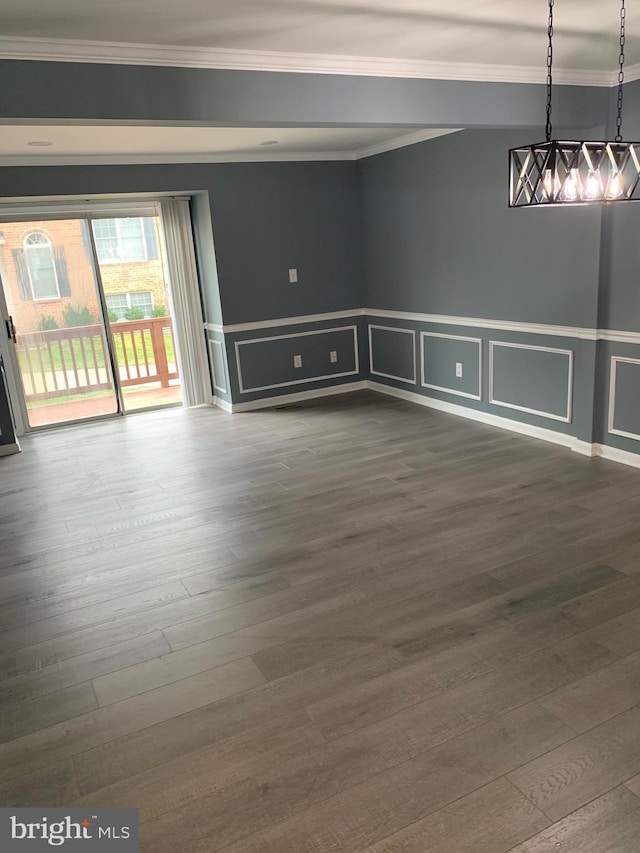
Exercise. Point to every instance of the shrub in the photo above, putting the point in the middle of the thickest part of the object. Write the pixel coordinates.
(113, 317)
(78, 317)
(46, 324)
(134, 314)
(159, 311)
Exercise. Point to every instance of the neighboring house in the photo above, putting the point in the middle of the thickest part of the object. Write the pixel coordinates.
(46, 268)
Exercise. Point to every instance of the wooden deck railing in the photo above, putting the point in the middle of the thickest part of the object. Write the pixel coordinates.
(64, 362)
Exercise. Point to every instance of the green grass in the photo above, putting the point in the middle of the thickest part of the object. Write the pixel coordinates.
(62, 353)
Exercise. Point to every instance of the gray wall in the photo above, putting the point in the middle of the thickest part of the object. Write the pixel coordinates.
(206, 258)
(617, 403)
(423, 230)
(60, 90)
(270, 217)
(440, 239)
(620, 303)
(266, 218)
(252, 223)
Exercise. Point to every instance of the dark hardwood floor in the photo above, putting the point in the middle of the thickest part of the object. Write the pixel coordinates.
(349, 625)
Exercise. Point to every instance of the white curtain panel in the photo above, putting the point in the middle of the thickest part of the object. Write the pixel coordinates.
(185, 298)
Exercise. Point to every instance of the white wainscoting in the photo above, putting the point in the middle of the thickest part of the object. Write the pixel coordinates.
(551, 415)
(216, 385)
(446, 389)
(400, 330)
(613, 379)
(239, 344)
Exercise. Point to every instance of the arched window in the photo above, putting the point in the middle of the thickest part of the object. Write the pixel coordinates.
(40, 264)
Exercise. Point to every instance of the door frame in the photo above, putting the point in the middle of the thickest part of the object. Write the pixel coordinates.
(12, 368)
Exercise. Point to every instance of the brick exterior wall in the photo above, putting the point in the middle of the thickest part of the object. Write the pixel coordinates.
(131, 277)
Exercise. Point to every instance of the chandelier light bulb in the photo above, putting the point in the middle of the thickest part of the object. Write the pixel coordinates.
(615, 187)
(571, 186)
(594, 185)
(550, 183)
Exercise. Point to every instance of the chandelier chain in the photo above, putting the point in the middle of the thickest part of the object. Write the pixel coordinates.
(549, 68)
(623, 21)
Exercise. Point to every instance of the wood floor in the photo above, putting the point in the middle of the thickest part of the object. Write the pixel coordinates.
(349, 625)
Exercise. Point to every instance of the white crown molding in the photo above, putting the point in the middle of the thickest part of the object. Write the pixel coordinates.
(124, 53)
(401, 141)
(631, 73)
(404, 141)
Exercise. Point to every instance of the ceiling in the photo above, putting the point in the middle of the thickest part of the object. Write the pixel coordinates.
(466, 39)
(494, 32)
(59, 144)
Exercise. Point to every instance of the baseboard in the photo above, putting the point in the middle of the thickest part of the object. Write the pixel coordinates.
(614, 454)
(10, 449)
(603, 451)
(529, 430)
(297, 396)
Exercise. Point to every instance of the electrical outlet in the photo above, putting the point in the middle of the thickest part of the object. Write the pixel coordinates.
(333, 355)
(297, 361)
(293, 276)
(459, 369)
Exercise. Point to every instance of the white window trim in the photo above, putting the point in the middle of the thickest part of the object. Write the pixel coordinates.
(28, 247)
(119, 245)
(128, 298)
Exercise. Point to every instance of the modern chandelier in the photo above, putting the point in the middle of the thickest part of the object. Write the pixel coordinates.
(558, 172)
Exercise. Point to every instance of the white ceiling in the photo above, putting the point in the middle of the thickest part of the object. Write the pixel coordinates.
(494, 32)
(467, 39)
(144, 144)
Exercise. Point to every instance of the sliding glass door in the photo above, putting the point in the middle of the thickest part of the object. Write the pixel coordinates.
(89, 308)
(53, 299)
(136, 290)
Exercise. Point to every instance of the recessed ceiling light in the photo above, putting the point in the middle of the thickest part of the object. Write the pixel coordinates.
(39, 143)
(269, 142)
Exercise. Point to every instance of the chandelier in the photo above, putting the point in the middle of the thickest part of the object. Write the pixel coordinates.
(559, 172)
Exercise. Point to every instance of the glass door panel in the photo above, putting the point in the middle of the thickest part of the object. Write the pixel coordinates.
(52, 295)
(136, 292)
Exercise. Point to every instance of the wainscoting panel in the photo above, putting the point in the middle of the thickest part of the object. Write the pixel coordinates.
(624, 400)
(533, 379)
(392, 353)
(439, 354)
(218, 367)
(268, 362)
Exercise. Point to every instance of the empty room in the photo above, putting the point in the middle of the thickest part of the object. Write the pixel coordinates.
(319, 448)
